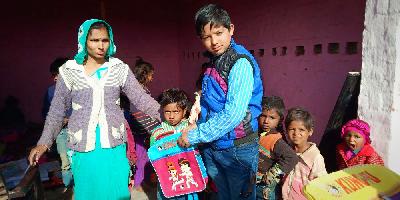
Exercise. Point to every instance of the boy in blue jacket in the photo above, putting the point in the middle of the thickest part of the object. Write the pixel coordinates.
(230, 104)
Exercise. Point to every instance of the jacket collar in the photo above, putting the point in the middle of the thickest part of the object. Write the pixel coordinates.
(366, 150)
(309, 155)
(72, 64)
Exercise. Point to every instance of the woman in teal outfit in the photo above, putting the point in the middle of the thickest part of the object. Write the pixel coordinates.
(91, 84)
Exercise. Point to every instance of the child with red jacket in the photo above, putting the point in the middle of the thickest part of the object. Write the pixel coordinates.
(356, 147)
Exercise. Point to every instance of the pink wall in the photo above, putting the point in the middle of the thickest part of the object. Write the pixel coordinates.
(150, 30)
(163, 33)
(310, 81)
(34, 34)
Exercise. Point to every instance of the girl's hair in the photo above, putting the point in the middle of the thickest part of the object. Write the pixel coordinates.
(174, 95)
(276, 103)
(142, 70)
(299, 114)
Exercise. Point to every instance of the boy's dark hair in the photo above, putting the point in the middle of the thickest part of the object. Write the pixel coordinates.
(213, 14)
(275, 102)
(299, 114)
(142, 70)
(56, 64)
(174, 95)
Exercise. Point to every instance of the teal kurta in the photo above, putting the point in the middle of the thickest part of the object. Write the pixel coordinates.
(102, 173)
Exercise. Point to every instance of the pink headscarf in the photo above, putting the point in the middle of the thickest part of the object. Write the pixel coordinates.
(358, 126)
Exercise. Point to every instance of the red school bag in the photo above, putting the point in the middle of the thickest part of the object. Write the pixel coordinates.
(179, 170)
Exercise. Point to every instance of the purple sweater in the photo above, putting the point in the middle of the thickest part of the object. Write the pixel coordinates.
(94, 102)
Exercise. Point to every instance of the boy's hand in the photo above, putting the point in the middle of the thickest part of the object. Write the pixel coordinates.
(183, 140)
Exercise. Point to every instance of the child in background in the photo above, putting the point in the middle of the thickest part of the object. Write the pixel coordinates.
(175, 107)
(300, 125)
(276, 157)
(141, 125)
(356, 147)
(62, 137)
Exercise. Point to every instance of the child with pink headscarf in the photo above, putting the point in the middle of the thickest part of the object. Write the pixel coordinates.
(356, 147)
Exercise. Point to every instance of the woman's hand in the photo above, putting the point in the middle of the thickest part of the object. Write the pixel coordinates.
(36, 153)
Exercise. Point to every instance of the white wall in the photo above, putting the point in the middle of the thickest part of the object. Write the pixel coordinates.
(379, 100)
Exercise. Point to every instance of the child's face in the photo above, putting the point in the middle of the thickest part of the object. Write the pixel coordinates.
(149, 78)
(298, 133)
(54, 76)
(173, 114)
(216, 39)
(354, 140)
(269, 119)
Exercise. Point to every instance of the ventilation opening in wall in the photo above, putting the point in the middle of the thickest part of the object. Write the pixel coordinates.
(261, 52)
(274, 51)
(283, 51)
(333, 48)
(300, 50)
(317, 48)
(252, 52)
(351, 48)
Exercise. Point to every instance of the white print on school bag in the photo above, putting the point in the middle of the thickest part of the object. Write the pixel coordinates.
(179, 170)
(174, 176)
(186, 172)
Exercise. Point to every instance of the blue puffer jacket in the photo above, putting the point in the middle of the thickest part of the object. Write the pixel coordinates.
(215, 87)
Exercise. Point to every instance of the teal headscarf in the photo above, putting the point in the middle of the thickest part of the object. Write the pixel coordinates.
(82, 36)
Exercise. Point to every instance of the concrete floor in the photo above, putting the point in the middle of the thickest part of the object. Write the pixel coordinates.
(149, 193)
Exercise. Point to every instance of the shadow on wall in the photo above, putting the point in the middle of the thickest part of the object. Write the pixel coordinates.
(345, 109)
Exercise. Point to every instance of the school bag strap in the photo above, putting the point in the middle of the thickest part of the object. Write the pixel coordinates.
(162, 135)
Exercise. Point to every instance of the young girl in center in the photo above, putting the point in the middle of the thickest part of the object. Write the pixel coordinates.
(300, 126)
(356, 147)
(175, 106)
(276, 157)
